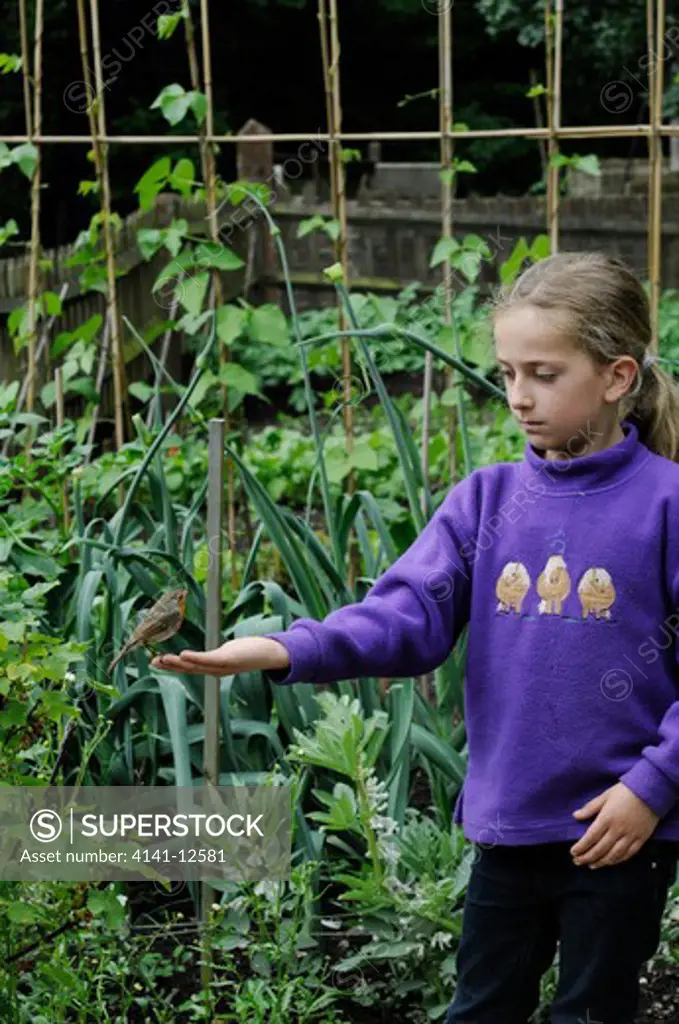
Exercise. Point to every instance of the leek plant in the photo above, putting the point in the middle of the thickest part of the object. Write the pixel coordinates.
(149, 544)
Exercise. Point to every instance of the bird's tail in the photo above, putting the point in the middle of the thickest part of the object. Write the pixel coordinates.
(125, 649)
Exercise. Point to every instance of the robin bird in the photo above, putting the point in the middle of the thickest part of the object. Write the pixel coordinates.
(160, 622)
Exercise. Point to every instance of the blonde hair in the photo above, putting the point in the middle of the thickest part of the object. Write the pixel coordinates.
(606, 311)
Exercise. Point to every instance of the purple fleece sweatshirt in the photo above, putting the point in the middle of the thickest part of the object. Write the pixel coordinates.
(568, 574)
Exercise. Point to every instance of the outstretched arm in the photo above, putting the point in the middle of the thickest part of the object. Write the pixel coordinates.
(406, 624)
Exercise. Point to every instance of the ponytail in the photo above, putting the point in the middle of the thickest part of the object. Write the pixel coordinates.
(654, 408)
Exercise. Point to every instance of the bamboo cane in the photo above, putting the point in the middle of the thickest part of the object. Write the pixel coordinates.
(99, 383)
(26, 70)
(327, 87)
(657, 69)
(101, 165)
(448, 188)
(603, 131)
(330, 55)
(428, 357)
(340, 204)
(552, 145)
(59, 390)
(210, 166)
(194, 71)
(539, 122)
(650, 19)
(211, 184)
(213, 607)
(556, 122)
(219, 428)
(33, 126)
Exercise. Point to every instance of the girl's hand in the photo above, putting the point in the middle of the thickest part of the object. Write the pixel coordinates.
(246, 654)
(622, 825)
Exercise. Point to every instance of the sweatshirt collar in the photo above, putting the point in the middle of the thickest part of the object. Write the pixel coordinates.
(585, 473)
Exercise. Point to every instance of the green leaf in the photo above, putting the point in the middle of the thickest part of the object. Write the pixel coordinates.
(478, 244)
(17, 321)
(337, 465)
(94, 279)
(239, 191)
(192, 324)
(334, 272)
(389, 950)
(468, 262)
(238, 378)
(268, 325)
(13, 631)
(30, 419)
(10, 62)
(87, 331)
(198, 104)
(48, 394)
(342, 810)
(37, 591)
(183, 176)
(141, 390)
(309, 224)
(167, 23)
(149, 241)
(6, 158)
(22, 913)
(364, 456)
(10, 229)
(88, 187)
(174, 705)
(231, 321)
(535, 90)
(511, 266)
(25, 157)
(13, 713)
(173, 102)
(443, 250)
(51, 304)
(173, 237)
(84, 333)
(541, 248)
(70, 369)
(54, 706)
(216, 256)
(589, 165)
(104, 903)
(36, 564)
(151, 183)
(332, 228)
(84, 386)
(59, 976)
(192, 292)
(207, 380)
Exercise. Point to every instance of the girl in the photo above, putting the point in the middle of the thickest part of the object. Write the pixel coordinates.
(566, 567)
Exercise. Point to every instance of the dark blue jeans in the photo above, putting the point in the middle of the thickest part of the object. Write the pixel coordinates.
(523, 900)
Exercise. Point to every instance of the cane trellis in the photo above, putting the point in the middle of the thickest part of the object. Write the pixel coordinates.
(553, 132)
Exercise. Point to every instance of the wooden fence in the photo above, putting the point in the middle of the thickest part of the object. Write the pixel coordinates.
(135, 290)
